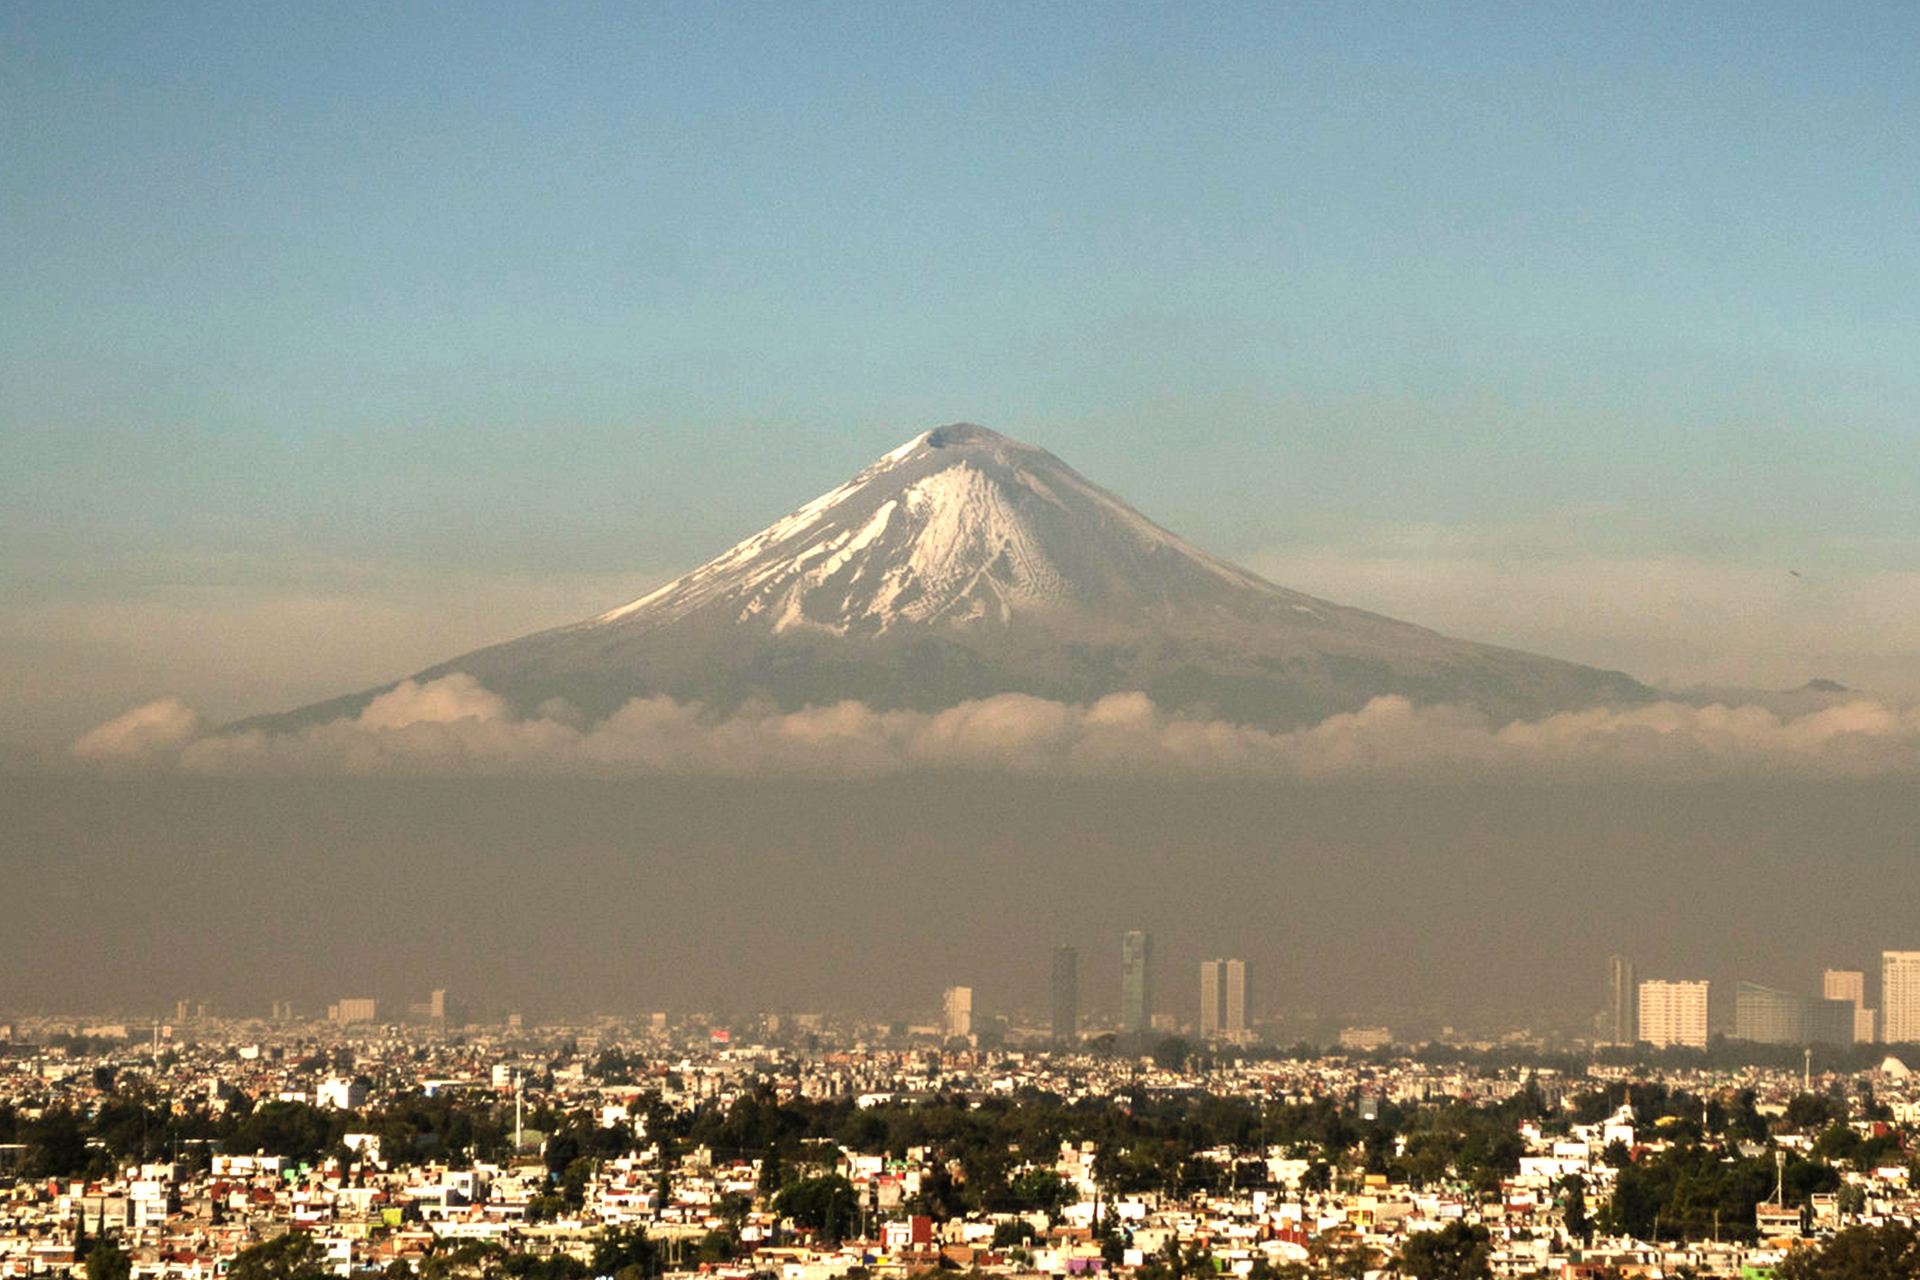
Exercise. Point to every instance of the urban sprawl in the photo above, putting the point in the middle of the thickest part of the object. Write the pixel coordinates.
(808, 1147)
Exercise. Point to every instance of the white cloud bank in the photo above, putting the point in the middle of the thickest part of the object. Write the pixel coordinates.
(454, 726)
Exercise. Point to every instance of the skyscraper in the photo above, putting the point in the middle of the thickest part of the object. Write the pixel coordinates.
(1136, 982)
(1850, 984)
(1769, 1016)
(1623, 1022)
(957, 1012)
(1673, 1013)
(1066, 995)
(1844, 984)
(1223, 1000)
(1900, 996)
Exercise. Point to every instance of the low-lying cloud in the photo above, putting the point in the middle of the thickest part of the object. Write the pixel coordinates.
(153, 728)
(454, 726)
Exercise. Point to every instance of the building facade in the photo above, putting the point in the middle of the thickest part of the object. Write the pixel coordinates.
(1900, 996)
(957, 1012)
(1673, 1013)
(1844, 984)
(1136, 982)
(1223, 1000)
(1623, 1011)
(1066, 995)
(353, 1009)
(1850, 985)
(1766, 1015)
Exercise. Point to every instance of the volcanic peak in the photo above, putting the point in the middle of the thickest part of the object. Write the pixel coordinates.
(965, 564)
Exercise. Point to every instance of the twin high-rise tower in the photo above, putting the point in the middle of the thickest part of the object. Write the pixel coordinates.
(1223, 1000)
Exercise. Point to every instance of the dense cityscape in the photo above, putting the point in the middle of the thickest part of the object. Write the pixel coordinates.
(813, 1146)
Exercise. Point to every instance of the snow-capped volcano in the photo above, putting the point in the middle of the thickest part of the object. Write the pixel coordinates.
(965, 564)
(959, 528)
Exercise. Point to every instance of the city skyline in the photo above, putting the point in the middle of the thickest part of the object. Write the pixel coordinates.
(1836, 1015)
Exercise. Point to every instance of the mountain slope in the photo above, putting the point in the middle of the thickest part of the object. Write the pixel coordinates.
(965, 564)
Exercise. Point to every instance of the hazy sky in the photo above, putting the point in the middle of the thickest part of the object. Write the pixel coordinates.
(337, 339)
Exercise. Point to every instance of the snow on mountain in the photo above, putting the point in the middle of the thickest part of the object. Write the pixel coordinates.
(965, 563)
(959, 525)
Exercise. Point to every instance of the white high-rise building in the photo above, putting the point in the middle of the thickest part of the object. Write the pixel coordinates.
(957, 1012)
(1844, 984)
(353, 1009)
(1900, 996)
(1673, 1013)
(1850, 984)
(1223, 1000)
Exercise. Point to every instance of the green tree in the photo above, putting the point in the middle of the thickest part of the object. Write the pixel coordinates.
(1042, 1189)
(1887, 1252)
(291, 1256)
(618, 1248)
(1455, 1252)
(1012, 1233)
(1574, 1206)
(562, 1149)
(825, 1204)
(56, 1144)
(1811, 1112)
(573, 1182)
(109, 1261)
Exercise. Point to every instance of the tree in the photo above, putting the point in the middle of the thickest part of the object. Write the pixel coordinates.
(1336, 1255)
(732, 1209)
(618, 1248)
(109, 1261)
(1858, 1253)
(291, 1256)
(1574, 1206)
(573, 1182)
(1810, 1112)
(1455, 1252)
(611, 1067)
(825, 1205)
(1042, 1189)
(56, 1144)
(1171, 1054)
(562, 1149)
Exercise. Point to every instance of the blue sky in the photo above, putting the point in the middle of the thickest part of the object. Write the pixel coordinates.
(339, 338)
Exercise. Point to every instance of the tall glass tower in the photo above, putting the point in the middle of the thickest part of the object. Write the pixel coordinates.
(1623, 1012)
(1066, 995)
(1136, 981)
